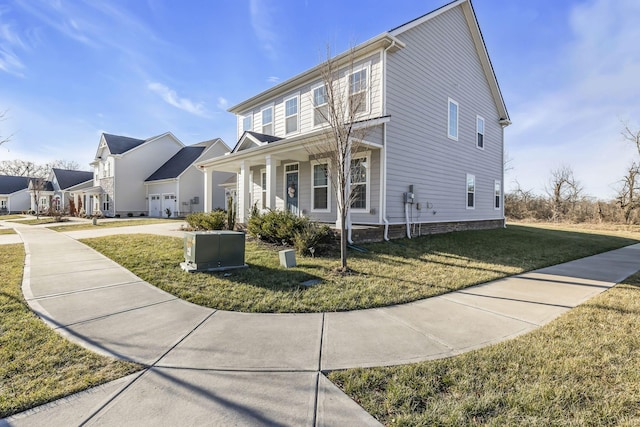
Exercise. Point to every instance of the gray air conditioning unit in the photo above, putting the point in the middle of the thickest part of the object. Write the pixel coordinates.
(213, 250)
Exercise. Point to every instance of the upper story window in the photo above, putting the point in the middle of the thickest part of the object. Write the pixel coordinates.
(291, 114)
(246, 123)
(497, 203)
(479, 132)
(471, 191)
(452, 122)
(359, 183)
(358, 88)
(267, 121)
(320, 106)
(106, 169)
(320, 187)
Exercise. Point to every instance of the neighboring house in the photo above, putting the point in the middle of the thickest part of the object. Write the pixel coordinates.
(177, 185)
(68, 185)
(435, 119)
(14, 194)
(41, 194)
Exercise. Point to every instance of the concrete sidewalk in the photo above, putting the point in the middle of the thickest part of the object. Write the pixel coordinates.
(226, 368)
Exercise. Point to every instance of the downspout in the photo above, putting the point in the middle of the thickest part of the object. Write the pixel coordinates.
(384, 142)
(406, 216)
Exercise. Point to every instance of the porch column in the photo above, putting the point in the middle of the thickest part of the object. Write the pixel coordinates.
(244, 201)
(208, 190)
(271, 182)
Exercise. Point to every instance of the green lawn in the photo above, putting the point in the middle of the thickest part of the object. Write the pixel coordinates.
(7, 231)
(581, 369)
(37, 221)
(112, 224)
(37, 365)
(12, 216)
(390, 273)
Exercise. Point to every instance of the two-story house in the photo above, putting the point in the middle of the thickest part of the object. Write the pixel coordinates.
(432, 159)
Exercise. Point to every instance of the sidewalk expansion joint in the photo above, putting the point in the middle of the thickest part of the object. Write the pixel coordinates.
(424, 334)
(79, 291)
(237, 370)
(491, 311)
(112, 267)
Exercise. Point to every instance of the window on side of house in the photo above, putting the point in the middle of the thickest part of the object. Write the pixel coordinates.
(471, 191)
(320, 187)
(291, 114)
(246, 123)
(358, 91)
(479, 132)
(320, 106)
(3, 204)
(359, 183)
(497, 203)
(267, 121)
(452, 122)
(105, 203)
(263, 188)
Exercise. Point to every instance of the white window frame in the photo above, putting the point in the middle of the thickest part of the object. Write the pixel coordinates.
(366, 155)
(297, 98)
(248, 116)
(367, 67)
(106, 201)
(262, 124)
(449, 135)
(466, 192)
(480, 119)
(497, 194)
(3, 204)
(263, 189)
(315, 163)
(315, 107)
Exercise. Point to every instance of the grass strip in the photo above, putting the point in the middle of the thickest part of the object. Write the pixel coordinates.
(111, 224)
(389, 273)
(37, 365)
(7, 231)
(581, 369)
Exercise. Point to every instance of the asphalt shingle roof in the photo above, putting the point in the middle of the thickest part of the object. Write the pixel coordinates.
(68, 178)
(121, 144)
(177, 164)
(264, 137)
(10, 184)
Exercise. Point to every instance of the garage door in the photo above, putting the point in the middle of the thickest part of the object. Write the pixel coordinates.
(155, 205)
(169, 202)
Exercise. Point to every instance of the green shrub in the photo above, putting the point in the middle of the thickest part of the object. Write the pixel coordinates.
(312, 236)
(206, 221)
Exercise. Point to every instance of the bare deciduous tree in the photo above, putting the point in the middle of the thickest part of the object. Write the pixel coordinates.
(632, 136)
(27, 168)
(341, 105)
(36, 187)
(564, 191)
(629, 194)
(3, 139)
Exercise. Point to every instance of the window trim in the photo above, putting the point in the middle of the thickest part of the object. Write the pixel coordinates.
(467, 192)
(314, 106)
(356, 69)
(248, 115)
(315, 163)
(366, 155)
(478, 133)
(284, 184)
(497, 194)
(284, 103)
(273, 127)
(449, 135)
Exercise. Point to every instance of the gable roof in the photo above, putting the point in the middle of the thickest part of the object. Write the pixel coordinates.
(46, 184)
(121, 144)
(69, 178)
(256, 138)
(10, 184)
(177, 164)
(478, 40)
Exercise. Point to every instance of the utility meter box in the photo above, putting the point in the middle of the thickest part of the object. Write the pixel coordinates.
(213, 250)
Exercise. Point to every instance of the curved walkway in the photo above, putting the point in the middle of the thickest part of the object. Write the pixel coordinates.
(213, 367)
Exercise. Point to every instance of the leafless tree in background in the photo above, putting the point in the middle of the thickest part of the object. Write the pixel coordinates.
(564, 191)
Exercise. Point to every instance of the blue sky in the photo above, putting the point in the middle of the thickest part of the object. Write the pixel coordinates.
(72, 69)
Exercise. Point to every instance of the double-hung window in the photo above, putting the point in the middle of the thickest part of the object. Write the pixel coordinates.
(359, 183)
(358, 90)
(479, 132)
(267, 121)
(497, 203)
(291, 114)
(320, 105)
(320, 187)
(246, 123)
(452, 122)
(471, 191)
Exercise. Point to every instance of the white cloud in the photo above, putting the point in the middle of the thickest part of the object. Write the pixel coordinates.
(10, 41)
(171, 97)
(578, 124)
(222, 103)
(264, 26)
(273, 79)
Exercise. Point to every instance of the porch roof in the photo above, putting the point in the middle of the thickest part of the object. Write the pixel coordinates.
(293, 148)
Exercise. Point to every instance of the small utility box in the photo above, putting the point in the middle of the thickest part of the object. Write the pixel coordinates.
(287, 258)
(213, 251)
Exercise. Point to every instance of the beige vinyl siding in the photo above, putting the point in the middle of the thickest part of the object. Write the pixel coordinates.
(440, 62)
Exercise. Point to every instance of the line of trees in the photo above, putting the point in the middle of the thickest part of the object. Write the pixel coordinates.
(565, 199)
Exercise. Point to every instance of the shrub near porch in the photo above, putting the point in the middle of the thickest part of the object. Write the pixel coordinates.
(390, 273)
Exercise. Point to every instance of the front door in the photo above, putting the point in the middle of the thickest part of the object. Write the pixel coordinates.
(292, 189)
(155, 205)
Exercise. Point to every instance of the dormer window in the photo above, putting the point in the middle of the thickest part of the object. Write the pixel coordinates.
(320, 106)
